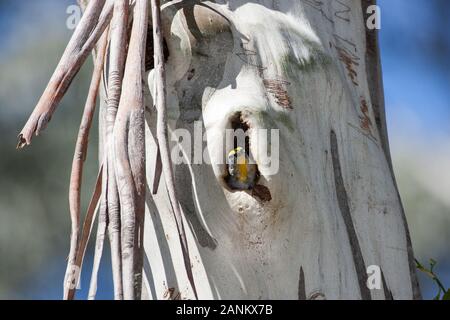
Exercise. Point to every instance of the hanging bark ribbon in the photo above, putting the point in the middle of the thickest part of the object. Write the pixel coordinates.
(117, 58)
(163, 136)
(129, 152)
(77, 167)
(91, 27)
(121, 184)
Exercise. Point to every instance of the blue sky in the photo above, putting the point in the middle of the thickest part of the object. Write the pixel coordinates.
(413, 78)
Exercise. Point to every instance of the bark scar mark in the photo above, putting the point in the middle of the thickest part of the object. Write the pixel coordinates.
(301, 285)
(172, 294)
(277, 88)
(317, 296)
(387, 291)
(344, 207)
(262, 192)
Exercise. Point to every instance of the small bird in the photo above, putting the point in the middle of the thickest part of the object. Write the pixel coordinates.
(242, 174)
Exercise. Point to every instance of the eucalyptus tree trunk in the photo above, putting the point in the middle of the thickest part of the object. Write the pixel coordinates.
(316, 221)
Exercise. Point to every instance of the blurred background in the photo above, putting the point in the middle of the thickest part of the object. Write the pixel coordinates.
(35, 227)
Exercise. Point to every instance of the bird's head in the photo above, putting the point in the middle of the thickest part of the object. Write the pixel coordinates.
(237, 156)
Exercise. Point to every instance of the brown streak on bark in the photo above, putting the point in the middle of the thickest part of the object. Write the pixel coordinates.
(276, 87)
(350, 64)
(80, 157)
(301, 286)
(365, 122)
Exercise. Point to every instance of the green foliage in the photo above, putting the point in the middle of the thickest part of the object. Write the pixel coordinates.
(443, 294)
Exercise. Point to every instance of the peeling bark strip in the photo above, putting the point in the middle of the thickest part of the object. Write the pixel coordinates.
(91, 27)
(163, 136)
(117, 58)
(342, 199)
(72, 275)
(129, 151)
(301, 286)
(100, 239)
(80, 157)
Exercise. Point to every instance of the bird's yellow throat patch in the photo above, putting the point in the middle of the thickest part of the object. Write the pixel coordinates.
(242, 168)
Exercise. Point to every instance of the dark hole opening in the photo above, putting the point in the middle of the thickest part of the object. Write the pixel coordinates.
(237, 122)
